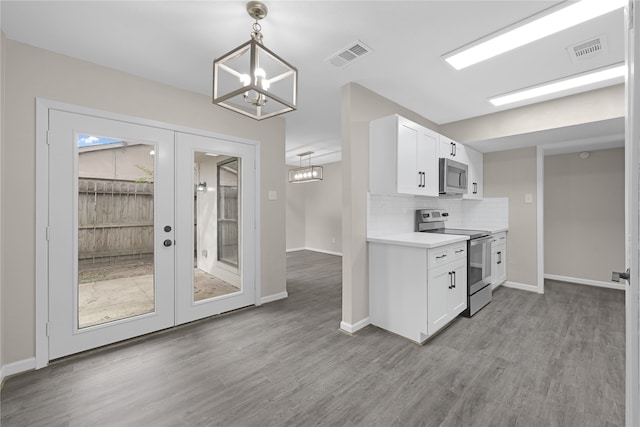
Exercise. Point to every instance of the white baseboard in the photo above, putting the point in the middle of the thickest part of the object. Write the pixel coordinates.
(17, 367)
(274, 297)
(295, 249)
(322, 251)
(587, 282)
(356, 326)
(521, 286)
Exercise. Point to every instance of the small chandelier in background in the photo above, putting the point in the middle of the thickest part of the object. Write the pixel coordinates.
(307, 173)
(251, 79)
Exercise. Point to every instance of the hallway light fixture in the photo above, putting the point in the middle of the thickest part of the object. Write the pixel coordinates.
(251, 79)
(307, 173)
(613, 73)
(535, 29)
(202, 187)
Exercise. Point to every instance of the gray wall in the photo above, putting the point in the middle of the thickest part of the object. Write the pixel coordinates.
(30, 72)
(2, 109)
(513, 174)
(314, 212)
(295, 223)
(587, 107)
(359, 107)
(584, 215)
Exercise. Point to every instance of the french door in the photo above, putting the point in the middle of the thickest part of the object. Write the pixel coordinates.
(148, 228)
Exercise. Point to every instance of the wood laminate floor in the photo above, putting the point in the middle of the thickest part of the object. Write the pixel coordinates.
(524, 360)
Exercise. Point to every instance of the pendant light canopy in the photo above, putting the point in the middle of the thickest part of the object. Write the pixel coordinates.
(251, 79)
(307, 173)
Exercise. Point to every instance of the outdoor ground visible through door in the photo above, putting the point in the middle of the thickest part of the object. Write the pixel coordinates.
(122, 289)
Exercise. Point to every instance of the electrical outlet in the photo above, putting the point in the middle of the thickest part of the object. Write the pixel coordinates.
(273, 195)
(205, 253)
(528, 198)
(333, 240)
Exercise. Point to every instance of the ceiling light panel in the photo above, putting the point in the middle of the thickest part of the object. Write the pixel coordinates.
(609, 74)
(520, 35)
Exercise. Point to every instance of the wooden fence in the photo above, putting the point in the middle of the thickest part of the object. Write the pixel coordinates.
(115, 220)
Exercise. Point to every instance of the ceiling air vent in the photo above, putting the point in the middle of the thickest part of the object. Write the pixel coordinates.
(588, 49)
(349, 54)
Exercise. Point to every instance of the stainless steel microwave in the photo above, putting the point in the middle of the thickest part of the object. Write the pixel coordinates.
(453, 177)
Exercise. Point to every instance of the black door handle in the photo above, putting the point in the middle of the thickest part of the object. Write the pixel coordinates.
(450, 281)
(167, 228)
(167, 243)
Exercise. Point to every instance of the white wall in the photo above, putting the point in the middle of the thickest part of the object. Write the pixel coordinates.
(584, 234)
(314, 212)
(31, 72)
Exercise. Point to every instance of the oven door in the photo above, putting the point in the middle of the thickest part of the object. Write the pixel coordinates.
(479, 271)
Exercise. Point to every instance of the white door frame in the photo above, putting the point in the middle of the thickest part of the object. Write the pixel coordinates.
(41, 203)
(632, 216)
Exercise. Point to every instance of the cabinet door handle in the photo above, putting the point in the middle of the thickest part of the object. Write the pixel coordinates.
(451, 149)
(454, 278)
(499, 257)
(441, 256)
(455, 153)
(423, 179)
(475, 188)
(450, 281)
(461, 250)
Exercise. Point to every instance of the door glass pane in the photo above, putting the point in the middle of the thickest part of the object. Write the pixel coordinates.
(115, 230)
(216, 207)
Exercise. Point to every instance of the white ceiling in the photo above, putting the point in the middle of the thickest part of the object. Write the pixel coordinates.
(175, 42)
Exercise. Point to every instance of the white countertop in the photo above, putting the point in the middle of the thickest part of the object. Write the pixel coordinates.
(418, 240)
(496, 230)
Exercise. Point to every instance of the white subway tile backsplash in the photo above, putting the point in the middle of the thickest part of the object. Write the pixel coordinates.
(392, 214)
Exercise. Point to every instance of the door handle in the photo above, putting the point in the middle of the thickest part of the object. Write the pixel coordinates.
(454, 279)
(450, 281)
(617, 275)
(167, 243)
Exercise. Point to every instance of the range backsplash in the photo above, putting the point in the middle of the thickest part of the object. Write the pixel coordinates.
(392, 214)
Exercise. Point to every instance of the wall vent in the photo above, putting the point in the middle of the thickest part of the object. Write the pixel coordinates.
(349, 54)
(588, 49)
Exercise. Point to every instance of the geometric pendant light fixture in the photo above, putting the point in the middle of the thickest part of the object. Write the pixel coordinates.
(307, 173)
(251, 79)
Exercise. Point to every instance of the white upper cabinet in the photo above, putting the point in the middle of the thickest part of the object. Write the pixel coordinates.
(449, 149)
(403, 158)
(475, 161)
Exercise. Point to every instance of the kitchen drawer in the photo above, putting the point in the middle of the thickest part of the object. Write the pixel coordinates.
(446, 254)
(499, 239)
(459, 251)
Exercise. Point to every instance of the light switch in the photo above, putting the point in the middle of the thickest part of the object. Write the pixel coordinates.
(273, 195)
(528, 198)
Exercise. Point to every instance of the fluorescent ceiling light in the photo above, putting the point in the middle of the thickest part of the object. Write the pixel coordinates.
(562, 19)
(561, 85)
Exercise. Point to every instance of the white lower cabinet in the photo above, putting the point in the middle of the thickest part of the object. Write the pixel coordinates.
(413, 291)
(446, 294)
(498, 259)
